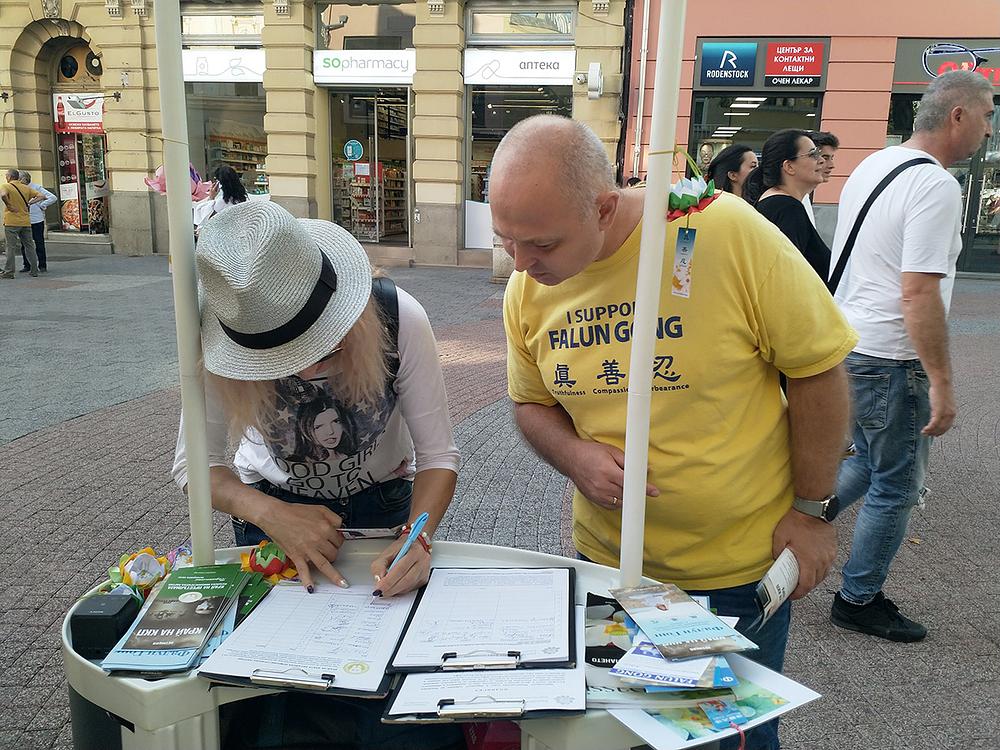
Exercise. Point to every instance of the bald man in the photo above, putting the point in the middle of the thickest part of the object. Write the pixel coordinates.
(727, 454)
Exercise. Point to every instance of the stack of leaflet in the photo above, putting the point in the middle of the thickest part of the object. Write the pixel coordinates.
(185, 615)
(678, 644)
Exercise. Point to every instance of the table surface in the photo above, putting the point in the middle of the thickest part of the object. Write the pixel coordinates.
(154, 704)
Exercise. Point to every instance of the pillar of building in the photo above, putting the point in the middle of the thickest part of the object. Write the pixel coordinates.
(439, 131)
(289, 38)
(600, 34)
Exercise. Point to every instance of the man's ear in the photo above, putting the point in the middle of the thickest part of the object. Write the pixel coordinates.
(607, 208)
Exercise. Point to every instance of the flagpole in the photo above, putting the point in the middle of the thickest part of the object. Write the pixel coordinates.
(176, 160)
(659, 168)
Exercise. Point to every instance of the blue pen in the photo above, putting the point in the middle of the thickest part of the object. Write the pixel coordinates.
(418, 526)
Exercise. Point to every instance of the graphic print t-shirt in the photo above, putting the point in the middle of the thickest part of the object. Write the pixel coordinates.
(320, 448)
(719, 440)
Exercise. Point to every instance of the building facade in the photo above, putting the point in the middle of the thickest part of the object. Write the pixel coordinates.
(758, 68)
(381, 116)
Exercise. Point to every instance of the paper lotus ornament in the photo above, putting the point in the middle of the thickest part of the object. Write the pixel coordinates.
(140, 571)
(158, 182)
(690, 196)
(268, 559)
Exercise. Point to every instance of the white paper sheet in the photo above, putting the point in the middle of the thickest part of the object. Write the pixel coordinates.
(334, 631)
(520, 689)
(662, 736)
(490, 611)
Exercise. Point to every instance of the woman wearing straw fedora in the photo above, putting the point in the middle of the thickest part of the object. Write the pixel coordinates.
(335, 393)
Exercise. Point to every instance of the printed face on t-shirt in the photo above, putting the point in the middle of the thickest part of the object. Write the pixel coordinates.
(327, 429)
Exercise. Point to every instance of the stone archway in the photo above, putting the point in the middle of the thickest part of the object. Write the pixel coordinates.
(32, 61)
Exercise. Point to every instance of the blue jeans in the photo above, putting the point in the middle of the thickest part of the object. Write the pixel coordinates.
(382, 506)
(741, 601)
(891, 406)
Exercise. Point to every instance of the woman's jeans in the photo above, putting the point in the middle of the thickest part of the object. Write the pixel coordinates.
(382, 506)
(891, 407)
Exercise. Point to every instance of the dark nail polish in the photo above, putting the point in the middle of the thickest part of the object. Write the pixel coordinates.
(377, 592)
(309, 589)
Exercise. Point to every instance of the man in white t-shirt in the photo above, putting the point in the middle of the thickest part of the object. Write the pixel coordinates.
(895, 291)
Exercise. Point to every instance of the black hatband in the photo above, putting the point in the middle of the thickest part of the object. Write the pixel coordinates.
(326, 285)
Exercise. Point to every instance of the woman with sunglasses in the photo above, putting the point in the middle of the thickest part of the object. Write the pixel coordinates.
(791, 167)
(331, 385)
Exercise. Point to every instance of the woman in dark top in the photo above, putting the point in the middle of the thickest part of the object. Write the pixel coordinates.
(730, 168)
(791, 167)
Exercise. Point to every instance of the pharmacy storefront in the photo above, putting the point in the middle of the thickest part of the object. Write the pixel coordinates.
(503, 87)
(370, 125)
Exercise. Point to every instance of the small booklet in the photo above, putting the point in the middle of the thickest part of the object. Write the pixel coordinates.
(678, 626)
(645, 665)
(175, 624)
(776, 586)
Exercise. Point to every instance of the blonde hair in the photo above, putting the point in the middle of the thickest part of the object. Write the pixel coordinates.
(357, 373)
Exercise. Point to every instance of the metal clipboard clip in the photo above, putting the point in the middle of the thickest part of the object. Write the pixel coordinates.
(452, 661)
(482, 706)
(286, 678)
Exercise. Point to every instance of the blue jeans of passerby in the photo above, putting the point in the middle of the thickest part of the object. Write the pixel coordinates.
(741, 602)
(383, 506)
(891, 407)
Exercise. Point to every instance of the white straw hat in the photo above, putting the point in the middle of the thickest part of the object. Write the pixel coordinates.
(277, 293)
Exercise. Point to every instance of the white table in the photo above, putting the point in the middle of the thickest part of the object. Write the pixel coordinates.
(181, 713)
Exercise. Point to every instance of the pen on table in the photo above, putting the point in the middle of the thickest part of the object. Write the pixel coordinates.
(418, 526)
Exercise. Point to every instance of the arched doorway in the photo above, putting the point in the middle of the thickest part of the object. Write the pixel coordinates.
(59, 130)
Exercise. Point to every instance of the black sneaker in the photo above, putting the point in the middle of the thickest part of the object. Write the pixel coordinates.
(880, 617)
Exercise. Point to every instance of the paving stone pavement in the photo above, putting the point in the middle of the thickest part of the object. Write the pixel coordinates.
(87, 430)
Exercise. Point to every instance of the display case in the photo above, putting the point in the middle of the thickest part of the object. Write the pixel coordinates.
(245, 155)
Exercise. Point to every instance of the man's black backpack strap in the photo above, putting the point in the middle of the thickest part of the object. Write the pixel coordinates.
(388, 301)
(845, 255)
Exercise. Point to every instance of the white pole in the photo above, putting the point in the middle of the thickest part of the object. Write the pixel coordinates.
(666, 85)
(173, 110)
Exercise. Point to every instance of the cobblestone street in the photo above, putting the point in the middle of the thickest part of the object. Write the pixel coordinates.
(87, 429)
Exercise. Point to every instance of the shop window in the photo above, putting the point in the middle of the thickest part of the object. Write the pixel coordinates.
(226, 126)
(368, 26)
(720, 121)
(494, 112)
(499, 24)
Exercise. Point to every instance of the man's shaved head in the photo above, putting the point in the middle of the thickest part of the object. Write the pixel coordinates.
(567, 149)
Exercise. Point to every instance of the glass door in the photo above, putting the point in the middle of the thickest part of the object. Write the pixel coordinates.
(981, 235)
(391, 154)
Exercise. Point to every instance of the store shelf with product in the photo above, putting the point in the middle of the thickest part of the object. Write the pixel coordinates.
(242, 154)
(371, 204)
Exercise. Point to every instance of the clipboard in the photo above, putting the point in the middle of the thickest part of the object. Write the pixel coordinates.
(487, 659)
(484, 707)
(427, 698)
(299, 680)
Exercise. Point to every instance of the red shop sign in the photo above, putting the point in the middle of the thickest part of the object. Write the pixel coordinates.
(793, 63)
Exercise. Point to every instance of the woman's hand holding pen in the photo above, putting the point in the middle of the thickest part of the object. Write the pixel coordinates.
(410, 572)
(309, 535)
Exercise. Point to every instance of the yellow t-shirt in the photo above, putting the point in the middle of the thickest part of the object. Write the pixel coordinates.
(719, 440)
(17, 214)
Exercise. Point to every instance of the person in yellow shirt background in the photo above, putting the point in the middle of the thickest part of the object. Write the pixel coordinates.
(736, 472)
(16, 198)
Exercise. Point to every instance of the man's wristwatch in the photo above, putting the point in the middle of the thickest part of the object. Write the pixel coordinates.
(825, 509)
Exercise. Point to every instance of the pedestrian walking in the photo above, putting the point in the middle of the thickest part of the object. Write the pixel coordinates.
(897, 242)
(791, 167)
(36, 213)
(17, 222)
(731, 168)
(828, 144)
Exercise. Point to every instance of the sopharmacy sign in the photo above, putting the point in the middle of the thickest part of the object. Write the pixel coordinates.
(364, 66)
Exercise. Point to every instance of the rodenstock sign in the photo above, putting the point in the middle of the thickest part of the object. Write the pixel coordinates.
(364, 66)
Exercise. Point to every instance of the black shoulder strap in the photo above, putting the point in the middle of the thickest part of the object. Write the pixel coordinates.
(845, 254)
(384, 290)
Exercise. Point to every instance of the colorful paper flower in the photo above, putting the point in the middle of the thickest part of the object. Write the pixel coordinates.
(140, 571)
(690, 196)
(199, 188)
(268, 559)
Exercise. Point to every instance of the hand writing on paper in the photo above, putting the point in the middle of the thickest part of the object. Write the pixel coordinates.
(411, 572)
(599, 474)
(814, 543)
(309, 535)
